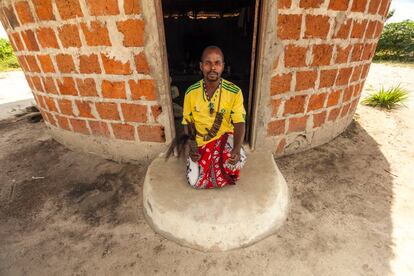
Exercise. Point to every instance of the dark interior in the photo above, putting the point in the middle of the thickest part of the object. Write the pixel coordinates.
(192, 25)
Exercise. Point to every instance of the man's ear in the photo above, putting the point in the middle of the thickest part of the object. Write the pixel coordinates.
(201, 66)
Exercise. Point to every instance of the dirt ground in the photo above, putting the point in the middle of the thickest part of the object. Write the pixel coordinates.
(351, 213)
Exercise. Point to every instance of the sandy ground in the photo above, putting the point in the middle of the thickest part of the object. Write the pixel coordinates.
(352, 208)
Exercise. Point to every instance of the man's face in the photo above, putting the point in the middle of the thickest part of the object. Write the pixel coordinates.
(212, 66)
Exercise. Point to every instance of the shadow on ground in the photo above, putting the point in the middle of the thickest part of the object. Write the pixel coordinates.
(77, 214)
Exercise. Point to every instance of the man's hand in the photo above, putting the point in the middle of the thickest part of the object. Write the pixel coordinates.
(195, 156)
(234, 157)
(193, 152)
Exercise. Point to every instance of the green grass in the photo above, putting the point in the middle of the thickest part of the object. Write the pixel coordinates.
(9, 64)
(389, 99)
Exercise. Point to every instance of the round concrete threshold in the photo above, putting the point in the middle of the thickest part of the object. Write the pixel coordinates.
(218, 219)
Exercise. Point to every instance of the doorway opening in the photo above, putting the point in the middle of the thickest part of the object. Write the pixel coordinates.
(190, 26)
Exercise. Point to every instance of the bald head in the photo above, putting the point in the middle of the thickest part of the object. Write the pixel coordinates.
(212, 49)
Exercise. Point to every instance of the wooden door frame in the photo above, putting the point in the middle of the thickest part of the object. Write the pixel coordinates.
(258, 70)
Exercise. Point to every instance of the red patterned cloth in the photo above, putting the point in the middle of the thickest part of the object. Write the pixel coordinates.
(213, 170)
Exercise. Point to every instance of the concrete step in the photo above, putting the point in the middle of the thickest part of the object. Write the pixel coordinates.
(218, 219)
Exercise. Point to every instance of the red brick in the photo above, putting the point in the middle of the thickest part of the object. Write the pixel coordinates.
(65, 107)
(357, 52)
(284, 4)
(305, 80)
(69, 36)
(89, 64)
(295, 105)
(50, 103)
(354, 105)
(63, 122)
(359, 6)
(322, 54)
(151, 133)
(316, 101)
(280, 84)
(356, 74)
(156, 110)
(67, 86)
(297, 124)
(276, 104)
(373, 6)
(365, 69)
(40, 101)
(369, 33)
(23, 12)
(343, 76)
(383, 9)
(117, 67)
(348, 93)
(295, 56)
(378, 29)
(99, 128)
(369, 51)
(30, 40)
(310, 3)
(358, 89)
(84, 108)
(50, 118)
(113, 89)
(37, 83)
(87, 87)
(143, 90)
(288, 26)
(23, 63)
(44, 9)
(107, 111)
(142, 64)
(317, 26)
(132, 6)
(65, 63)
(46, 64)
(345, 110)
(32, 63)
(134, 112)
(276, 127)
(344, 29)
(281, 146)
(18, 41)
(47, 38)
(342, 54)
(69, 9)
(358, 29)
(103, 7)
(333, 114)
(327, 78)
(319, 119)
(123, 131)
(333, 98)
(338, 5)
(79, 126)
(50, 86)
(97, 34)
(133, 31)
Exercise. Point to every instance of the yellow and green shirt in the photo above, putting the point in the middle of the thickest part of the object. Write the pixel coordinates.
(197, 108)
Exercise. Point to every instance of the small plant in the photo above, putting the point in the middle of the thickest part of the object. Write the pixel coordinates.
(389, 99)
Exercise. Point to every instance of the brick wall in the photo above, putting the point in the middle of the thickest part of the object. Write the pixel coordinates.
(88, 65)
(85, 63)
(324, 52)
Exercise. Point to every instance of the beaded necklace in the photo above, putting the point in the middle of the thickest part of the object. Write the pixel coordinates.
(211, 99)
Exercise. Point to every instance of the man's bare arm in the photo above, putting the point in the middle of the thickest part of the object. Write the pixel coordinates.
(238, 136)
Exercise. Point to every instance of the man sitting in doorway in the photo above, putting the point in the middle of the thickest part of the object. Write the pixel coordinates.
(214, 112)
